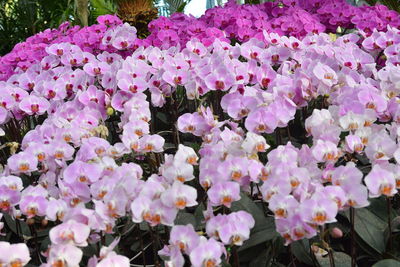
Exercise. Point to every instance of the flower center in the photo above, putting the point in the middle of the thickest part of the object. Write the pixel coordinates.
(319, 217)
(386, 189)
(219, 85)
(280, 213)
(58, 263)
(226, 200)
(210, 263)
(23, 167)
(5, 205)
(34, 108)
(16, 263)
(180, 202)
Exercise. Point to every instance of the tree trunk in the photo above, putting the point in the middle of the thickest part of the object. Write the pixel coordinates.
(81, 8)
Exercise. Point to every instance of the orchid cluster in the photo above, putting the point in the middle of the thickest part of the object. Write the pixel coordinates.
(231, 22)
(286, 17)
(83, 121)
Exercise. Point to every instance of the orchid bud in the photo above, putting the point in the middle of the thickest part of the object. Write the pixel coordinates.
(336, 232)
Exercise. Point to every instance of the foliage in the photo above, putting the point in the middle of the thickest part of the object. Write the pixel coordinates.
(20, 19)
(392, 4)
(102, 7)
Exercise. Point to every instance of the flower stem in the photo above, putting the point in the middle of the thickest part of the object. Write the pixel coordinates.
(388, 202)
(352, 233)
(142, 247)
(154, 237)
(236, 256)
(327, 246)
(292, 256)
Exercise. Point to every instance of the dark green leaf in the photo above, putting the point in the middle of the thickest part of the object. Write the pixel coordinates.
(387, 263)
(396, 224)
(162, 117)
(184, 218)
(102, 7)
(225, 264)
(44, 245)
(144, 226)
(246, 204)
(262, 235)
(264, 228)
(89, 250)
(13, 226)
(301, 250)
(341, 259)
(378, 206)
(246, 256)
(198, 215)
(181, 8)
(259, 261)
(370, 228)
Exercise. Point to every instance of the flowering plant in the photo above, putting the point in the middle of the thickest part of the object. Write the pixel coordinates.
(276, 149)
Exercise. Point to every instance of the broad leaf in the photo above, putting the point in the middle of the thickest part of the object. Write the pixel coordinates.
(370, 228)
(341, 259)
(184, 218)
(102, 7)
(261, 235)
(301, 250)
(12, 224)
(378, 206)
(264, 228)
(387, 263)
(245, 203)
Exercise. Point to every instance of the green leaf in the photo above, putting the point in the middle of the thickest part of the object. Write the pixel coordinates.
(387, 263)
(301, 250)
(44, 245)
(341, 259)
(89, 250)
(162, 117)
(370, 228)
(225, 264)
(144, 226)
(262, 235)
(246, 256)
(199, 217)
(13, 226)
(184, 218)
(102, 7)
(246, 204)
(260, 260)
(181, 8)
(378, 206)
(396, 224)
(264, 228)
(392, 4)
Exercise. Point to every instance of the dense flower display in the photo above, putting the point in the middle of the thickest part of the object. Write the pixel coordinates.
(240, 22)
(84, 108)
